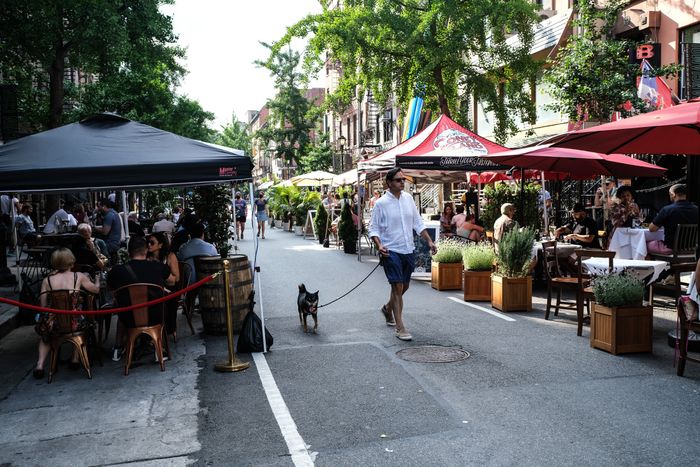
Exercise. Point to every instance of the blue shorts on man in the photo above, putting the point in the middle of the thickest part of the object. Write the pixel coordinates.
(398, 267)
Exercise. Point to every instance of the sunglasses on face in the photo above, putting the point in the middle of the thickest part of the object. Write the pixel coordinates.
(152, 242)
(400, 180)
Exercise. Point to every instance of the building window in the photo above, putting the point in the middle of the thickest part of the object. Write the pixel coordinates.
(690, 59)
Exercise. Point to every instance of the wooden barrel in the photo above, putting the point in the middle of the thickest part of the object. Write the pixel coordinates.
(212, 296)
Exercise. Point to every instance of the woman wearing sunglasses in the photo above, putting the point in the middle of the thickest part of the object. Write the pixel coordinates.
(159, 250)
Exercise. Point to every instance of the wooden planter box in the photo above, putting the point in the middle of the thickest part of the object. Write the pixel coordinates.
(476, 286)
(511, 293)
(622, 329)
(446, 276)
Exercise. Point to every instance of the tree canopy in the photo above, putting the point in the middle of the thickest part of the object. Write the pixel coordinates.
(235, 135)
(444, 50)
(290, 120)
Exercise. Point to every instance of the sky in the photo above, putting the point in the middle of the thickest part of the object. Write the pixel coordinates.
(222, 41)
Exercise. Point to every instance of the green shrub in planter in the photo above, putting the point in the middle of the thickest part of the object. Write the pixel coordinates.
(618, 290)
(478, 257)
(448, 251)
(515, 253)
(347, 231)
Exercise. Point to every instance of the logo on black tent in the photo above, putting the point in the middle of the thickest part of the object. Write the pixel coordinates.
(227, 171)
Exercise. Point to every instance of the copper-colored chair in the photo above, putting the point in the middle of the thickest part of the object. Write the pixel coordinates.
(185, 275)
(67, 300)
(555, 279)
(142, 293)
(584, 291)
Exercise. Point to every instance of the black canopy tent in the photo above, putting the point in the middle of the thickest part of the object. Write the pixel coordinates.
(107, 151)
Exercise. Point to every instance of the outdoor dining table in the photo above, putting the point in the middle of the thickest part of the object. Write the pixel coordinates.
(564, 250)
(629, 243)
(647, 271)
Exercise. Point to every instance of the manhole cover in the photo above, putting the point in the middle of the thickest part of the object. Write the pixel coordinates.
(432, 354)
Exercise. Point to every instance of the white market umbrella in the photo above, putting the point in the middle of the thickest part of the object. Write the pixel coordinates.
(315, 178)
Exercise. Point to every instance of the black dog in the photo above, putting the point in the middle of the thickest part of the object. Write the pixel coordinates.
(307, 303)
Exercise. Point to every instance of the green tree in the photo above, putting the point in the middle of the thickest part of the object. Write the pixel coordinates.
(576, 82)
(289, 123)
(442, 49)
(319, 157)
(41, 40)
(235, 135)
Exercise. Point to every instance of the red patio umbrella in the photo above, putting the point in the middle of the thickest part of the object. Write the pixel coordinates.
(673, 130)
(579, 164)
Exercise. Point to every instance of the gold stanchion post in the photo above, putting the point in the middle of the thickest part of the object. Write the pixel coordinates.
(233, 363)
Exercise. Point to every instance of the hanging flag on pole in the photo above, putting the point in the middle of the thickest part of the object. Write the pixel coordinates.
(652, 89)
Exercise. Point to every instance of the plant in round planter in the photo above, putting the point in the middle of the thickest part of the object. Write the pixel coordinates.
(620, 323)
(320, 221)
(212, 204)
(446, 266)
(347, 231)
(477, 259)
(511, 283)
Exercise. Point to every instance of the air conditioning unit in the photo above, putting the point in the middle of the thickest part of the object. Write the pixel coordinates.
(546, 14)
(649, 19)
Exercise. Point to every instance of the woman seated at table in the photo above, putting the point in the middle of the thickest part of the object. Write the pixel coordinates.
(471, 230)
(624, 212)
(446, 227)
(62, 260)
(86, 252)
(159, 250)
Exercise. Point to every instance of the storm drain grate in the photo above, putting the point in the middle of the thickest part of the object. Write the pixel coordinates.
(432, 354)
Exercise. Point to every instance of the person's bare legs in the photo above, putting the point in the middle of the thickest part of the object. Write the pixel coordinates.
(262, 224)
(44, 349)
(395, 305)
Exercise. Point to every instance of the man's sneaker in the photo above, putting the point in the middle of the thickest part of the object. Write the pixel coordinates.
(165, 356)
(117, 353)
(404, 335)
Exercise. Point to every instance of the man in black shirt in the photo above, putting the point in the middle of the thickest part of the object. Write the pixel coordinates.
(681, 211)
(137, 270)
(582, 230)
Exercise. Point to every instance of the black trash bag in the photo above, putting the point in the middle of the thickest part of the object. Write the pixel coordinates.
(29, 294)
(251, 338)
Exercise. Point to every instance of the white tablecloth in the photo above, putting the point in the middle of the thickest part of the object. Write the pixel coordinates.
(647, 271)
(632, 243)
(563, 249)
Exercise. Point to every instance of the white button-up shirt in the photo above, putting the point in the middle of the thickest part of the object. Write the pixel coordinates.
(394, 220)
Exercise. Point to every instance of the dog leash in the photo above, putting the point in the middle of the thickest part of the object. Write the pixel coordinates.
(366, 277)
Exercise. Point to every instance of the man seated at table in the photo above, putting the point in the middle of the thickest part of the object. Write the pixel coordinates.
(25, 226)
(86, 252)
(195, 246)
(581, 230)
(163, 225)
(137, 270)
(680, 211)
(60, 217)
(111, 228)
(504, 224)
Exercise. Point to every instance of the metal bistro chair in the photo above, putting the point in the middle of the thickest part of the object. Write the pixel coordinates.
(684, 244)
(584, 291)
(64, 331)
(556, 280)
(686, 326)
(143, 318)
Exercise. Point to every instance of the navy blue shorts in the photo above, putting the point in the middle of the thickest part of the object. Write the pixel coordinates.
(398, 267)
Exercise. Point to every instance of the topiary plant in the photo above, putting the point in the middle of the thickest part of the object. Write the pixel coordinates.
(618, 290)
(320, 222)
(448, 251)
(515, 253)
(478, 257)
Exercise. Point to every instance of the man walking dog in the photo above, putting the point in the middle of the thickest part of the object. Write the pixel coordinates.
(394, 218)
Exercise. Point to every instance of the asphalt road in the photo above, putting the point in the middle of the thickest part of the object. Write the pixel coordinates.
(531, 392)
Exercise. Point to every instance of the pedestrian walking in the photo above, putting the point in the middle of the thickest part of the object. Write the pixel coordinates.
(394, 218)
(261, 213)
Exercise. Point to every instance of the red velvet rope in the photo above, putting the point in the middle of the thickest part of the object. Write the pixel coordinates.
(111, 310)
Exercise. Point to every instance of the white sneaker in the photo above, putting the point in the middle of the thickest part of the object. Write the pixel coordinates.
(117, 353)
(165, 356)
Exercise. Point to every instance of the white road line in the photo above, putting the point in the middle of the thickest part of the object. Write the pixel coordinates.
(491, 312)
(296, 445)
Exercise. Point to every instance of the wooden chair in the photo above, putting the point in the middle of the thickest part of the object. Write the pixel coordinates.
(685, 243)
(142, 293)
(584, 291)
(185, 275)
(674, 290)
(64, 332)
(685, 328)
(555, 279)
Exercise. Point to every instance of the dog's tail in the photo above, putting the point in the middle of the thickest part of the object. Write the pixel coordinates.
(302, 288)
